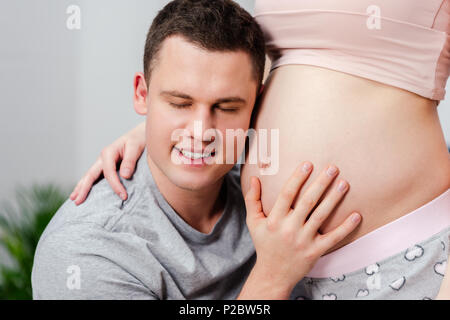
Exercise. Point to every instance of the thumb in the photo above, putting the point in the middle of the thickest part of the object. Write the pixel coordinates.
(253, 200)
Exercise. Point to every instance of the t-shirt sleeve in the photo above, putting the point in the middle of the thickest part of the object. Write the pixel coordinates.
(85, 261)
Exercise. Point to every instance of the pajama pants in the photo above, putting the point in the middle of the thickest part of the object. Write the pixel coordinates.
(405, 259)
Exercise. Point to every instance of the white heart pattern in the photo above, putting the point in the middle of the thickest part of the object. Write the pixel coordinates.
(337, 279)
(413, 253)
(362, 293)
(373, 268)
(398, 284)
(330, 296)
(440, 267)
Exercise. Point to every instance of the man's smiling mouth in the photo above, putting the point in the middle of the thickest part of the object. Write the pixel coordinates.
(195, 155)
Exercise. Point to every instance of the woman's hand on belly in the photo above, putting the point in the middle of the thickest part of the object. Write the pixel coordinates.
(386, 141)
(287, 240)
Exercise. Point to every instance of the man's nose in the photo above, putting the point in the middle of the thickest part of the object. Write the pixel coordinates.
(200, 124)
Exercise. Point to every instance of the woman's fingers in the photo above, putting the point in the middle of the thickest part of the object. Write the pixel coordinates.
(130, 157)
(129, 148)
(287, 195)
(74, 193)
(85, 184)
(330, 239)
(326, 206)
(253, 201)
(312, 195)
(110, 157)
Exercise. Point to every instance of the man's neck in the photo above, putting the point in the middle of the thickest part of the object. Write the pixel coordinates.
(201, 209)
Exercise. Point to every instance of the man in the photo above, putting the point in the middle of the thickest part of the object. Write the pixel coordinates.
(181, 233)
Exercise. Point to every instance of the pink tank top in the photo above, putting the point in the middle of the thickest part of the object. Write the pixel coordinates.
(402, 43)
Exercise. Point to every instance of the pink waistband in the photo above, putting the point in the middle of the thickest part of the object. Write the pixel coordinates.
(387, 240)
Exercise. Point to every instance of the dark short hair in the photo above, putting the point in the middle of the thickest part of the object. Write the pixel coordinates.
(215, 25)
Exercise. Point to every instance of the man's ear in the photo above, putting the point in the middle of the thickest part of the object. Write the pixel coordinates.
(140, 93)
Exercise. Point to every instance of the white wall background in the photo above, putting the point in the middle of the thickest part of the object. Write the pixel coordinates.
(65, 94)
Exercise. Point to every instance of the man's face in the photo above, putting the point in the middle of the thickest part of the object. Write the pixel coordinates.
(193, 98)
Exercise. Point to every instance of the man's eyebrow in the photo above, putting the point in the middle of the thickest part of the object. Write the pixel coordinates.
(176, 94)
(231, 99)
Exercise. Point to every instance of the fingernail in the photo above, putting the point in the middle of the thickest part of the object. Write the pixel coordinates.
(306, 167)
(331, 171)
(356, 217)
(126, 172)
(342, 186)
(122, 196)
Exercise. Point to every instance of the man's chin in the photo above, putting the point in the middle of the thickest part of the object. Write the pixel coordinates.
(193, 184)
(195, 181)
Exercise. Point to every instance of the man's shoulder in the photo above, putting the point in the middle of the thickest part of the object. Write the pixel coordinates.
(82, 260)
(103, 206)
(93, 239)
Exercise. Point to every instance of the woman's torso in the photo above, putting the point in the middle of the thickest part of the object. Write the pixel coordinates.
(387, 142)
(385, 139)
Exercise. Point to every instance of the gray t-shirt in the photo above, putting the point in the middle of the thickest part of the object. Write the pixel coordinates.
(141, 248)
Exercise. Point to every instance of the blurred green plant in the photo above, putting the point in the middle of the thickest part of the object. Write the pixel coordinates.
(20, 229)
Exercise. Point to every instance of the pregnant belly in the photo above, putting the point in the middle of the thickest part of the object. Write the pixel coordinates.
(387, 143)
